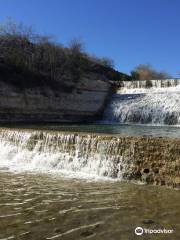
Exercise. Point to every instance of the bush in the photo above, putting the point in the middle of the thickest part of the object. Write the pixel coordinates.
(146, 72)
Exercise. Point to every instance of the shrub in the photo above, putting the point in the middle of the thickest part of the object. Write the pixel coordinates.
(146, 72)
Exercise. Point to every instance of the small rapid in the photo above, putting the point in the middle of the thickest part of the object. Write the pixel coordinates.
(154, 102)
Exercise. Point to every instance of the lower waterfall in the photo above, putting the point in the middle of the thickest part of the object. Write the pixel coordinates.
(91, 156)
(148, 102)
(67, 153)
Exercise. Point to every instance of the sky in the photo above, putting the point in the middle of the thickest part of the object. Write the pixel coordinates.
(130, 32)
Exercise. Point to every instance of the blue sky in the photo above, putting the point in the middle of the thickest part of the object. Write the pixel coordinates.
(128, 31)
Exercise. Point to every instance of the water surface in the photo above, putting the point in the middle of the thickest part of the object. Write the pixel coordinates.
(50, 207)
(103, 128)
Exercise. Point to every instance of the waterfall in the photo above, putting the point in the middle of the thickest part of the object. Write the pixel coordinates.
(147, 102)
(91, 156)
(146, 84)
(71, 153)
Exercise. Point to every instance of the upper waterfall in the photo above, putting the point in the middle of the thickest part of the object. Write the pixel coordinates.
(150, 102)
(147, 84)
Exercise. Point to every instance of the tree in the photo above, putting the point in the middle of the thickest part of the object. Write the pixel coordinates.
(146, 72)
(12, 29)
(76, 46)
(25, 51)
(107, 62)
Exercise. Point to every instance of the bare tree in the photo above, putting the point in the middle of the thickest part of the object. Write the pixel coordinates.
(76, 46)
(146, 72)
(25, 51)
(12, 29)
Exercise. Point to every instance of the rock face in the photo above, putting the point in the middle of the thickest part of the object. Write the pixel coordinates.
(153, 160)
(85, 102)
(146, 159)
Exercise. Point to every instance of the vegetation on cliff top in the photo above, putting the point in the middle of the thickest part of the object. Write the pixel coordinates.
(29, 60)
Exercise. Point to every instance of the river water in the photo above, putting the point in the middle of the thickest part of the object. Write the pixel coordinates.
(107, 128)
(42, 206)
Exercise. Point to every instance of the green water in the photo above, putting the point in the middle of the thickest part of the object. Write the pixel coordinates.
(50, 207)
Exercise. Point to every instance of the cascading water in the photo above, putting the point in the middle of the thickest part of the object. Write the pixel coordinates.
(70, 154)
(91, 156)
(149, 102)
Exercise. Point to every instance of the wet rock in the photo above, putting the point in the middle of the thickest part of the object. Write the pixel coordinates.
(148, 221)
(156, 170)
(58, 230)
(70, 159)
(146, 170)
(148, 178)
(87, 233)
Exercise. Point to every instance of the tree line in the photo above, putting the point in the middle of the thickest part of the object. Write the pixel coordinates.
(25, 50)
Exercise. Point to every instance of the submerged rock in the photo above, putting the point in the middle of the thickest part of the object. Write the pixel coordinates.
(148, 221)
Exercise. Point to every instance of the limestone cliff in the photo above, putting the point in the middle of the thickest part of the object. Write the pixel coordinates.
(85, 102)
(42, 81)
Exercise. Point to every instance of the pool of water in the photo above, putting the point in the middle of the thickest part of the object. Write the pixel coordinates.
(51, 207)
(121, 129)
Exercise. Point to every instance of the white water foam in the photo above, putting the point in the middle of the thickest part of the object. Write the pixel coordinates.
(136, 103)
(69, 155)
